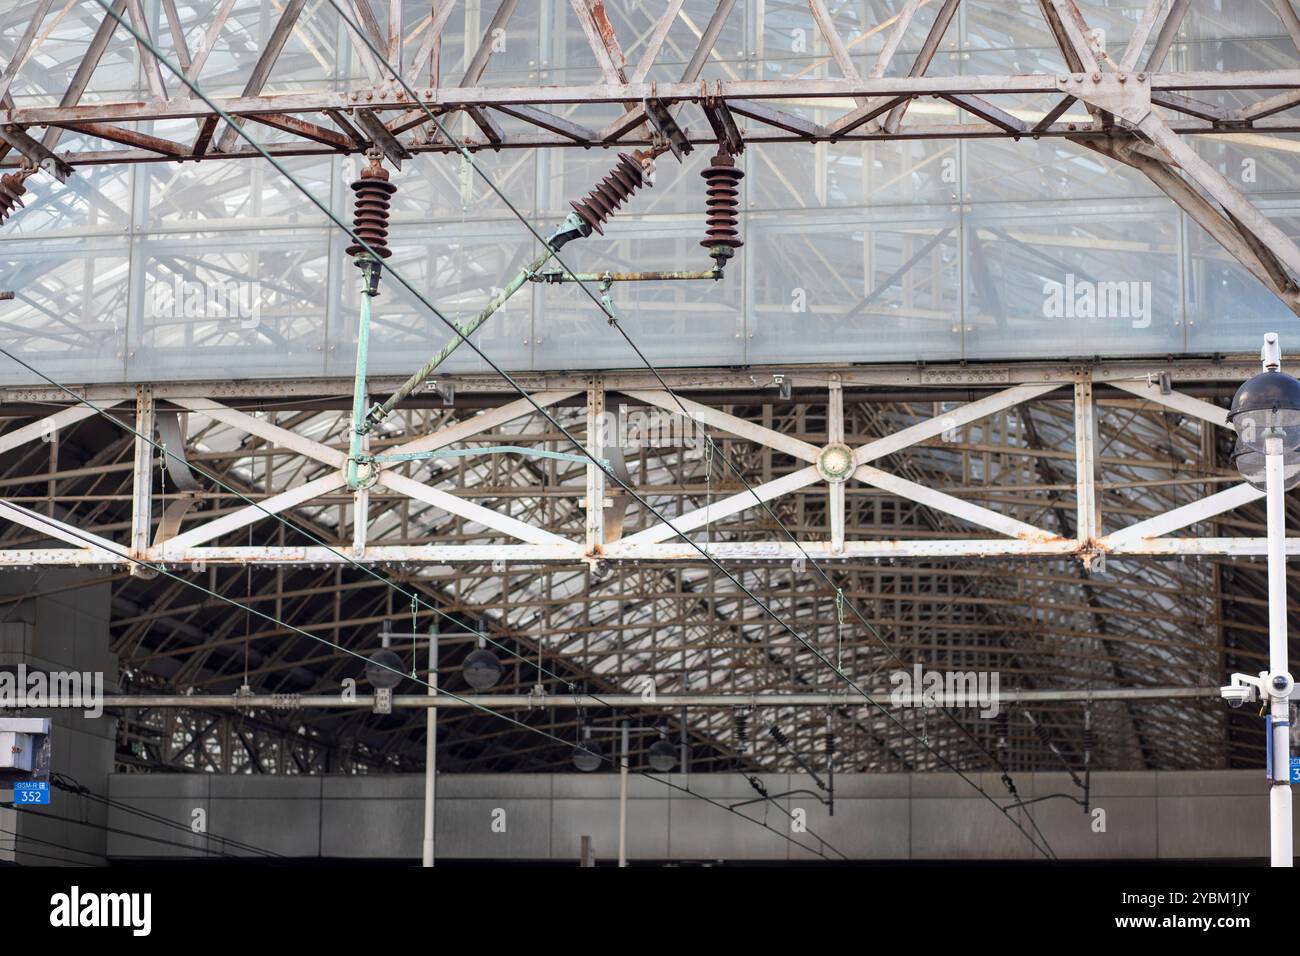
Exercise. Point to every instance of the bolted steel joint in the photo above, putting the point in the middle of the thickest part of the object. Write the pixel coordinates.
(835, 462)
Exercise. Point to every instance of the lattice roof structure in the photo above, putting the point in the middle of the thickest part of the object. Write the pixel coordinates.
(1049, 497)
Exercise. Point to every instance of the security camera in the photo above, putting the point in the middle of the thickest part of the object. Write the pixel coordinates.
(1237, 695)
(1280, 684)
(1244, 689)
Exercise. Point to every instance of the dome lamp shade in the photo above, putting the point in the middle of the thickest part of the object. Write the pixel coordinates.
(1265, 406)
(662, 756)
(481, 668)
(384, 669)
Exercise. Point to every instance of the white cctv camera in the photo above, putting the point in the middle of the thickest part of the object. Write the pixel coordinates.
(1237, 695)
(1280, 684)
(1244, 689)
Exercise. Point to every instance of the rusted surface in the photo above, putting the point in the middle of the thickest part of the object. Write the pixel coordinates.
(1047, 537)
(128, 137)
(606, 30)
(301, 127)
(12, 187)
(610, 193)
(370, 219)
(722, 185)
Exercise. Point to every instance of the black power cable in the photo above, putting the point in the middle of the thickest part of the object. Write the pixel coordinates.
(613, 321)
(148, 45)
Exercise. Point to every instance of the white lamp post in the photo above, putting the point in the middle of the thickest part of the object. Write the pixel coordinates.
(1266, 416)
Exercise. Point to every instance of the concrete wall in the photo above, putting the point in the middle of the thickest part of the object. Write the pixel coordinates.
(62, 625)
(1153, 815)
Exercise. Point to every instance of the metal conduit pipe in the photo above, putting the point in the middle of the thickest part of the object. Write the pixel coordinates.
(571, 701)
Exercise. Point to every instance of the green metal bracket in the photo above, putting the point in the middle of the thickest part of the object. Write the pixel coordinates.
(572, 228)
(370, 269)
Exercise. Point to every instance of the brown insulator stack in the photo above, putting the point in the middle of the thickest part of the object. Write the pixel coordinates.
(370, 218)
(722, 185)
(12, 187)
(609, 194)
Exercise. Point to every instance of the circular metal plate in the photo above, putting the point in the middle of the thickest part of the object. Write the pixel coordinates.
(835, 462)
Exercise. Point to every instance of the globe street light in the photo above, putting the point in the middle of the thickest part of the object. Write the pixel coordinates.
(586, 754)
(1267, 407)
(383, 667)
(482, 668)
(662, 756)
(1265, 414)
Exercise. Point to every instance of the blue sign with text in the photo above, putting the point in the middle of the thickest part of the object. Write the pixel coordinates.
(29, 792)
(1295, 769)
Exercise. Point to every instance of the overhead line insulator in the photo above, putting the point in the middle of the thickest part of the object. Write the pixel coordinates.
(370, 216)
(12, 187)
(623, 180)
(722, 187)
